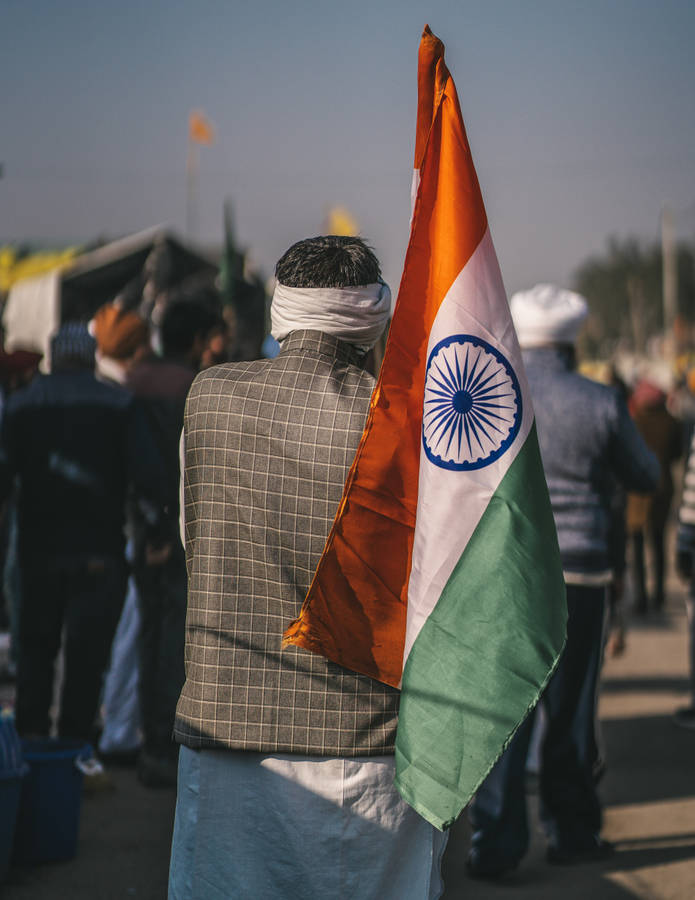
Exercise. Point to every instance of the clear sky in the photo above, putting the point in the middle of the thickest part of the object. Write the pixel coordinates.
(580, 115)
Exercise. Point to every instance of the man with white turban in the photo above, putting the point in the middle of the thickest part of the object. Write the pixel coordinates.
(286, 766)
(588, 442)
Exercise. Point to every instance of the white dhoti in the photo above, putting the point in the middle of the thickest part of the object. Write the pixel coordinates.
(281, 827)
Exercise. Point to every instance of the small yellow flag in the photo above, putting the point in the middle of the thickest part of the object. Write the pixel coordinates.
(340, 221)
(200, 129)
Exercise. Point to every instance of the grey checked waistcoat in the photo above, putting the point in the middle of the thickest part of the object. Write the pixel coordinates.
(268, 445)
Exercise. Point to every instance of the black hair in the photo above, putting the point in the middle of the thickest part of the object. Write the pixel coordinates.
(328, 261)
(183, 321)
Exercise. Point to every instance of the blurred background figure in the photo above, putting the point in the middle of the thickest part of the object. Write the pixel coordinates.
(588, 442)
(685, 565)
(16, 370)
(146, 672)
(647, 514)
(617, 552)
(216, 347)
(74, 445)
(160, 385)
(159, 275)
(121, 724)
(123, 338)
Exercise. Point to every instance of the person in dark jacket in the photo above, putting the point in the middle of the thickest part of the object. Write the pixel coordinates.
(123, 338)
(75, 445)
(160, 385)
(587, 441)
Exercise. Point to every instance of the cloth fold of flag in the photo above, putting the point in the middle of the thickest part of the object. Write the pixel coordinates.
(442, 572)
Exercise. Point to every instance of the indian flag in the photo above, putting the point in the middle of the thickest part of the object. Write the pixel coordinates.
(442, 572)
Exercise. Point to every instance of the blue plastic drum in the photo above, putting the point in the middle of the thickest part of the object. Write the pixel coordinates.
(49, 813)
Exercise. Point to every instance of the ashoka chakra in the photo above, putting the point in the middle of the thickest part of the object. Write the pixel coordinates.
(472, 408)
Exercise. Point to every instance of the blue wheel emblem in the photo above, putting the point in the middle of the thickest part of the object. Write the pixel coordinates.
(472, 409)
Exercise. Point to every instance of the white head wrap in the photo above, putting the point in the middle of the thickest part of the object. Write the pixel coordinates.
(357, 315)
(546, 314)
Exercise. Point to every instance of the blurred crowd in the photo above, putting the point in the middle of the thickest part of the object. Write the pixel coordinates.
(660, 396)
(93, 570)
(94, 575)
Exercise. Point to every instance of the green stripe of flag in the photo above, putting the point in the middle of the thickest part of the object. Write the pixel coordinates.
(487, 649)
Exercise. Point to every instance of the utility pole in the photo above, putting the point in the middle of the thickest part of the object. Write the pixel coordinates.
(200, 131)
(669, 261)
(637, 307)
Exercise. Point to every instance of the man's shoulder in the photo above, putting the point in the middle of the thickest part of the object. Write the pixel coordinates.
(573, 384)
(604, 392)
(106, 392)
(160, 378)
(577, 405)
(222, 377)
(65, 388)
(230, 386)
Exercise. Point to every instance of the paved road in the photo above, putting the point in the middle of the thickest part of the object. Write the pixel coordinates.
(649, 791)
(649, 788)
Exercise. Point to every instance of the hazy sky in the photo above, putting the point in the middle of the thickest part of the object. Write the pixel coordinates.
(580, 115)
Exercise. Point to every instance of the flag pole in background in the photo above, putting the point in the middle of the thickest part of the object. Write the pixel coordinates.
(442, 572)
(200, 131)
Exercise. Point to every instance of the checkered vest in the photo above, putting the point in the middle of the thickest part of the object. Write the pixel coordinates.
(268, 445)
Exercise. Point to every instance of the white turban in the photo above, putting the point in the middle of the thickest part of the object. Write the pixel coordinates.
(356, 315)
(546, 314)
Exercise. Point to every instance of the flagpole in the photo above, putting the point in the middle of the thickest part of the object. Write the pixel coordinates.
(191, 190)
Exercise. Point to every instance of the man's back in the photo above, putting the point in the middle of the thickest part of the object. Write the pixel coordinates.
(285, 753)
(268, 448)
(588, 442)
(66, 436)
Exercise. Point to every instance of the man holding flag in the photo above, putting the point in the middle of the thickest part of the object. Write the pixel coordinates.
(466, 611)
(286, 771)
(440, 576)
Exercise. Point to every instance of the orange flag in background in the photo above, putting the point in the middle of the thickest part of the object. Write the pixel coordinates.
(200, 129)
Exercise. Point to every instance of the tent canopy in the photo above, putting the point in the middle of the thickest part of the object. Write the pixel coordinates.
(97, 277)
